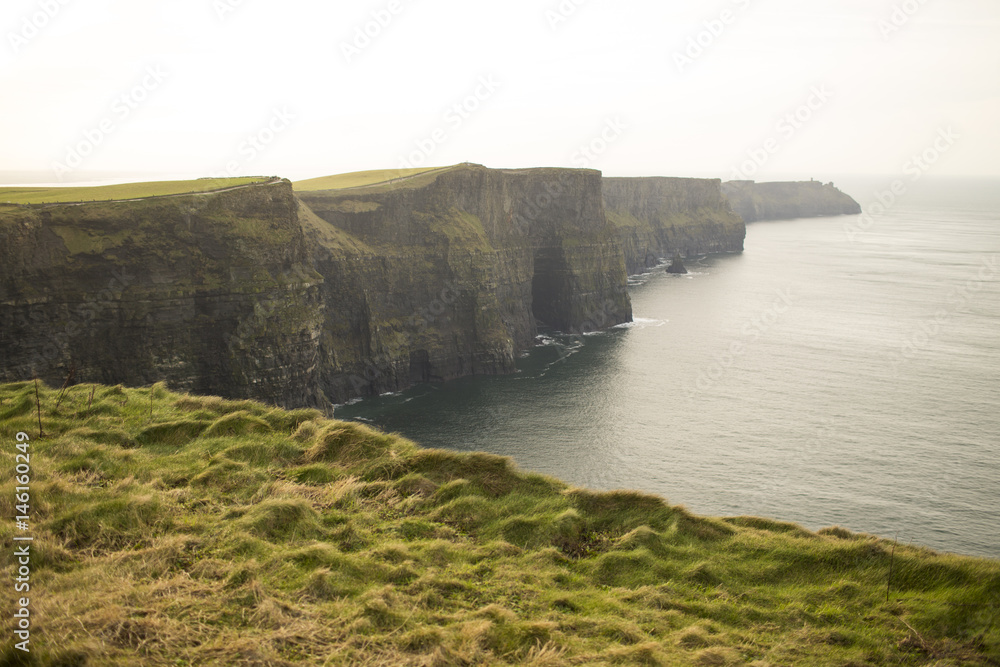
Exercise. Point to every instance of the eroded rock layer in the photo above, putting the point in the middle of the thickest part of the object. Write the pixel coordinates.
(658, 218)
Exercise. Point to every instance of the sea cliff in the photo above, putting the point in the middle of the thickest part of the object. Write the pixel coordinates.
(788, 200)
(348, 286)
(451, 273)
(658, 218)
(308, 300)
(212, 293)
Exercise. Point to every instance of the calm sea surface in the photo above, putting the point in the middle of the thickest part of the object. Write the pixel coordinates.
(829, 375)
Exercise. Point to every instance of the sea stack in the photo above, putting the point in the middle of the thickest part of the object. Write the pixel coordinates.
(677, 266)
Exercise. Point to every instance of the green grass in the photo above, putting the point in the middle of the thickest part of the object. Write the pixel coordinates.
(361, 179)
(180, 530)
(30, 195)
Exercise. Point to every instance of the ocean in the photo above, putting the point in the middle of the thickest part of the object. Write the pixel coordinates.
(840, 371)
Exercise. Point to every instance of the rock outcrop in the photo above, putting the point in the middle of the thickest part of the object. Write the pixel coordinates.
(788, 200)
(657, 218)
(677, 266)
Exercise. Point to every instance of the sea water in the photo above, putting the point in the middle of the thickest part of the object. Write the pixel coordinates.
(840, 371)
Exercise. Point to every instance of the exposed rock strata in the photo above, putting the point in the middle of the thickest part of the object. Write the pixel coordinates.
(214, 294)
(253, 293)
(452, 274)
(657, 218)
(321, 296)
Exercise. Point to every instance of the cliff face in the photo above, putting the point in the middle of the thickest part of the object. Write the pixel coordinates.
(255, 293)
(211, 293)
(302, 299)
(785, 201)
(657, 218)
(450, 274)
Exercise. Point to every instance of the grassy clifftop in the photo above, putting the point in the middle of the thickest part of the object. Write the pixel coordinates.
(44, 195)
(363, 179)
(175, 530)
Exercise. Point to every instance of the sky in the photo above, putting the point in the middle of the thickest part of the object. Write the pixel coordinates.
(759, 89)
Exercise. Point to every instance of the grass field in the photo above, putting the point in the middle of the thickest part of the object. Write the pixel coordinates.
(178, 530)
(360, 179)
(30, 195)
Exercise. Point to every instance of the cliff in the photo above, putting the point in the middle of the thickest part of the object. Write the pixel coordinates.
(251, 292)
(213, 293)
(348, 286)
(451, 272)
(657, 218)
(785, 201)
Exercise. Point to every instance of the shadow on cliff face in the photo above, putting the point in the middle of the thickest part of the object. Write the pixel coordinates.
(548, 290)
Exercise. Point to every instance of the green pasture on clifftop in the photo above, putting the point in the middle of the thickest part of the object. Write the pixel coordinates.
(58, 195)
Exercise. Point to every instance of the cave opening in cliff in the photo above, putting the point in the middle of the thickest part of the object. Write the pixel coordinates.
(548, 305)
(420, 367)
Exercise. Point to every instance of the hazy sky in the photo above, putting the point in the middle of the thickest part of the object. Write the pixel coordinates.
(649, 87)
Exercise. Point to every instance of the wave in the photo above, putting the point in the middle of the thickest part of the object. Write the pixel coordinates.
(641, 323)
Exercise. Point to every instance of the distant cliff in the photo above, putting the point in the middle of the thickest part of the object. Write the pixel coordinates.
(256, 293)
(785, 201)
(657, 218)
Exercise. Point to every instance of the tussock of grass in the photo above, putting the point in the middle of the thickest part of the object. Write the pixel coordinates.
(173, 433)
(237, 424)
(202, 531)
